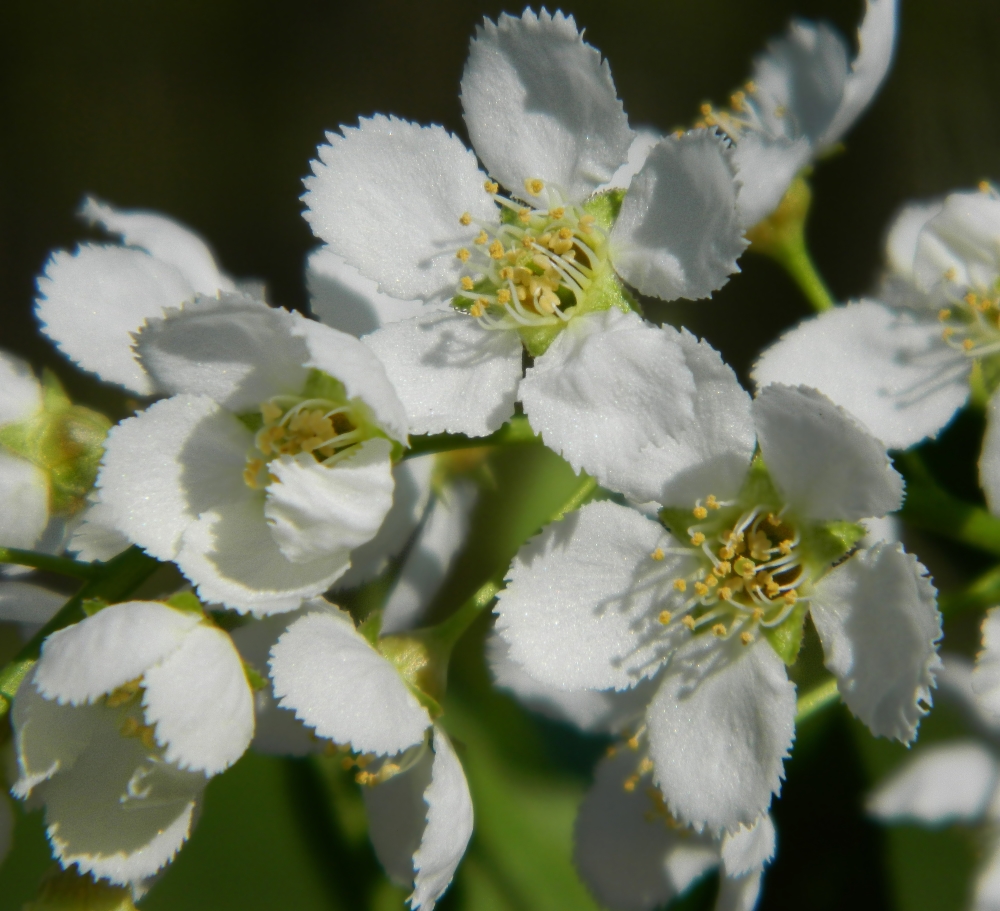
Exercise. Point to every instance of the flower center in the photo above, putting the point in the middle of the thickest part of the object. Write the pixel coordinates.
(745, 114)
(533, 268)
(972, 323)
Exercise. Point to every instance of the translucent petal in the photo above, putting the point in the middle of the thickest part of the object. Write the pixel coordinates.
(961, 241)
(888, 367)
(92, 301)
(315, 510)
(679, 233)
(739, 893)
(452, 374)
(671, 414)
(877, 617)
(167, 240)
(825, 464)
(942, 783)
(387, 196)
(96, 537)
(904, 234)
(24, 493)
(720, 727)
(200, 702)
(20, 392)
(326, 671)
(643, 143)
(582, 604)
(116, 645)
(626, 851)
(986, 675)
(540, 103)
(765, 167)
(749, 848)
(25, 602)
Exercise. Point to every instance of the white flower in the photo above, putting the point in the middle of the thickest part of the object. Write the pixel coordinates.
(609, 598)
(339, 684)
(803, 95)
(902, 364)
(269, 464)
(540, 269)
(119, 726)
(92, 300)
(27, 604)
(958, 780)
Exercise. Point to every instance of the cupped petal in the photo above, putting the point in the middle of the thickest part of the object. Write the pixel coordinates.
(876, 43)
(720, 727)
(877, 617)
(167, 240)
(452, 375)
(679, 232)
(83, 662)
(822, 460)
(942, 783)
(430, 557)
(625, 849)
(886, 366)
(749, 848)
(986, 674)
(25, 602)
(765, 166)
(20, 391)
(650, 412)
(904, 234)
(315, 510)
(234, 349)
(166, 466)
(200, 702)
(539, 102)
(960, 241)
(989, 458)
(328, 674)
(583, 599)
(387, 196)
(92, 301)
(24, 492)
(342, 298)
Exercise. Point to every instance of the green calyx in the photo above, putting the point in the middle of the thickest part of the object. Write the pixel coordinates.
(422, 661)
(65, 441)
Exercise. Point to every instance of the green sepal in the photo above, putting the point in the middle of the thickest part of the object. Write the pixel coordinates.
(187, 602)
(605, 207)
(320, 385)
(252, 420)
(254, 677)
(371, 627)
(677, 521)
(786, 637)
(91, 606)
(823, 545)
(422, 661)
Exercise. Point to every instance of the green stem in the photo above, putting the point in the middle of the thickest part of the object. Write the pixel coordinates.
(449, 631)
(62, 565)
(516, 430)
(580, 495)
(793, 256)
(115, 581)
(815, 700)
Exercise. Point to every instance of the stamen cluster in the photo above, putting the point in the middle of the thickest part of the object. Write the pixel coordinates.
(972, 322)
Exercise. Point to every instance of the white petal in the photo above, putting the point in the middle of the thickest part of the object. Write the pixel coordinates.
(449, 826)
(326, 671)
(876, 40)
(96, 537)
(234, 349)
(597, 711)
(164, 467)
(540, 103)
(650, 412)
(452, 374)
(749, 848)
(643, 143)
(410, 496)
(315, 510)
(24, 602)
(342, 298)
(989, 458)
(821, 459)
(765, 167)
(954, 681)
(116, 645)
(942, 783)
(960, 239)
(24, 493)
(6, 826)
(888, 367)
(387, 195)
(582, 604)
(91, 302)
(904, 234)
(739, 893)
(678, 233)
(167, 240)
(20, 392)
(986, 675)
(624, 849)
(200, 702)
(720, 727)
(430, 557)
(877, 617)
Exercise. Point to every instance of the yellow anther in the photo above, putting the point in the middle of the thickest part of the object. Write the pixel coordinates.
(719, 630)
(711, 581)
(565, 233)
(270, 412)
(701, 588)
(951, 274)
(944, 314)
(503, 296)
(967, 344)
(124, 694)
(711, 502)
(725, 593)
(697, 539)
(463, 255)
(774, 520)
(790, 597)
(984, 186)
(467, 283)
(971, 299)
(524, 215)
(688, 621)
(727, 552)
(723, 569)
(347, 763)
(658, 554)
(481, 238)
(758, 614)
(780, 111)
(630, 783)
(680, 585)
(705, 109)
(699, 512)
(665, 617)
(496, 250)
(948, 332)
(746, 637)
(506, 273)
(750, 86)
(633, 742)
(785, 547)
(764, 578)
(557, 213)
(772, 588)
(611, 751)
(477, 310)
(736, 101)
(646, 766)
(534, 186)
(491, 187)
(465, 219)
(678, 133)
(745, 567)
